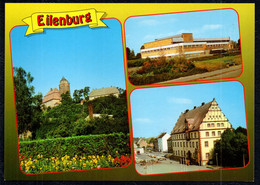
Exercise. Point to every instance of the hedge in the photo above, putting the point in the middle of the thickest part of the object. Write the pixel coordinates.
(103, 144)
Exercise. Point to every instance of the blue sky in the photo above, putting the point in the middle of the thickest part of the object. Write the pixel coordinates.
(84, 56)
(156, 110)
(203, 24)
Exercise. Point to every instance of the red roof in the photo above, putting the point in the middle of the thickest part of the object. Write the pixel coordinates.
(53, 94)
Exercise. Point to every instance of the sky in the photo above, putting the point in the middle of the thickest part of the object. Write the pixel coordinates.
(84, 56)
(156, 110)
(203, 24)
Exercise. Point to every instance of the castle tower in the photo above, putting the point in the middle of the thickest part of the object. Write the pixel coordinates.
(64, 86)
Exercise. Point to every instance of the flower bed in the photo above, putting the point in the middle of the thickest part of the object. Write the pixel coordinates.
(40, 164)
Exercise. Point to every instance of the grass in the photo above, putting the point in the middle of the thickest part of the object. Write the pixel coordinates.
(215, 64)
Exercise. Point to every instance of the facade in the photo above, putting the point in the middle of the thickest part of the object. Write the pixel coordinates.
(196, 131)
(97, 93)
(53, 97)
(184, 44)
(169, 144)
(162, 142)
(139, 145)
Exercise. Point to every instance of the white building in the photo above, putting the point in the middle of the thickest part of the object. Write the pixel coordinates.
(162, 142)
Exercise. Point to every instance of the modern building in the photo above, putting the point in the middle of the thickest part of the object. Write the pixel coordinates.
(53, 97)
(184, 44)
(196, 131)
(97, 93)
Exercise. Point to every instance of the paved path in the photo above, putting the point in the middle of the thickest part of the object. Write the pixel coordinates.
(164, 166)
(233, 71)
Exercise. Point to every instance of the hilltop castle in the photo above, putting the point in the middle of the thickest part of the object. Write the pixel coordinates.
(53, 97)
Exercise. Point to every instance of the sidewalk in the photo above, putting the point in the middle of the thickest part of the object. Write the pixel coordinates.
(233, 71)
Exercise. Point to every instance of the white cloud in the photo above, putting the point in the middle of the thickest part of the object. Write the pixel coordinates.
(180, 100)
(149, 22)
(212, 26)
(143, 120)
(151, 37)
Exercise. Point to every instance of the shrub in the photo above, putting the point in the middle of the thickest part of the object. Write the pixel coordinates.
(103, 144)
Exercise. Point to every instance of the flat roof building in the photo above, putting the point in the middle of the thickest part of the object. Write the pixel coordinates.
(184, 44)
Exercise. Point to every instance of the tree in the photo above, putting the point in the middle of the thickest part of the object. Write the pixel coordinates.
(130, 54)
(238, 44)
(138, 55)
(232, 148)
(81, 94)
(28, 106)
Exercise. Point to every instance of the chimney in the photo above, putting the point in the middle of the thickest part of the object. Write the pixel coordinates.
(90, 110)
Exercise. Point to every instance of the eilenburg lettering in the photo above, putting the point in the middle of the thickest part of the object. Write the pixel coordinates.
(37, 22)
(50, 20)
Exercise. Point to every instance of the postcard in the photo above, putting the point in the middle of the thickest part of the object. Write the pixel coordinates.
(97, 92)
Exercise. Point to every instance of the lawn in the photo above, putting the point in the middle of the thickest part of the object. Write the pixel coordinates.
(215, 64)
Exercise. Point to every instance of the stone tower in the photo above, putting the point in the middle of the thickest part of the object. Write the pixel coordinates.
(64, 86)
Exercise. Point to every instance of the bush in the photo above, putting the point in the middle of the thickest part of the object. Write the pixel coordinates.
(104, 144)
(137, 62)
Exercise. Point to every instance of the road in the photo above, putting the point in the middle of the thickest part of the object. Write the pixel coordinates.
(230, 72)
(163, 166)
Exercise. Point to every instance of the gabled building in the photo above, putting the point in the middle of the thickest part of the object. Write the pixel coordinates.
(184, 44)
(97, 93)
(196, 131)
(162, 142)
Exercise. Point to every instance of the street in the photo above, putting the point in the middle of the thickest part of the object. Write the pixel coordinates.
(155, 163)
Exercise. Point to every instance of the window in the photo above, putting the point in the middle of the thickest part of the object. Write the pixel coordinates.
(206, 143)
(219, 133)
(190, 144)
(222, 124)
(197, 144)
(191, 135)
(183, 144)
(186, 144)
(208, 125)
(178, 152)
(180, 144)
(195, 135)
(181, 153)
(207, 133)
(193, 144)
(184, 153)
(212, 125)
(218, 125)
(207, 155)
(213, 133)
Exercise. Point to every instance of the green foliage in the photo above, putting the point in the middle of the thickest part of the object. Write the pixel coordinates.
(66, 99)
(28, 105)
(105, 144)
(81, 94)
(232, 149)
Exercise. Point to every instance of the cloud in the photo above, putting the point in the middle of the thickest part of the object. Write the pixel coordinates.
(143, 120)
(180, 100)
(151, 37)
(158, 20)
(211, 26)
(149, 22)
